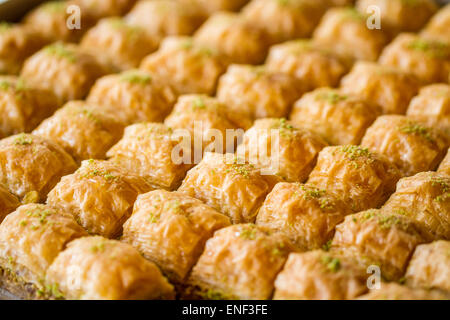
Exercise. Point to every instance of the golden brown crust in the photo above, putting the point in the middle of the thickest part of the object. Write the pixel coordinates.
(17, 42)
(444, 167)
(100, 194)
(400, 15)
(304, 213)
(229, 185)
(95, 268)
(428, 59)
(284, 20)
(163, 18)
(388, 87)
(8, 202)
(64, 69)
(394, 291)
(147, 149)
(432, 106)
(437, 28)
(23, 107)
(232, 36)
(134, 96)
(31, 164)
(119, 43)
(171, 229)
(344, 31)
(425, 198)
(187, 66)
(380, 237)
(410, 145)
(211, 6)
(339, 118)
(258, 92)
(104, 8)
(239, 262)
(361, 178)
(428, 267)
(307, 61)
(84, 131)
(319, 275)
(278, 147)
(50, 21)
(202, 115)
(31, 238)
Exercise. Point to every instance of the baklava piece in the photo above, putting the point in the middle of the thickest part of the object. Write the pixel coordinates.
(8, 202)
(209, 122)
(239, 262)
(303, 59)
(437, 28)
(388, 87)
(30, 166)
(361, 178)
(233, 37)
(118, 43)
(258, 92)
(319, 275)
(400, 15)
(84, 131)
(410, 145)
(428, 59)
(64, 69)
(154, 152)
(104, 8)
(429, 266)
(379, 238)
(339, 118)
(30, 239)
(286, 19)
(344, 31)
(17, 43)
(100, 195)
(23, 107)
(444, 167)
(394, 291)
(187, 66)
(425, 198)
(280, 148)
(134, 96)
(79, 272)
(229, 185)
(50, 20)
(162, 18)
(304, 213)
(171, 229)
(432, 106)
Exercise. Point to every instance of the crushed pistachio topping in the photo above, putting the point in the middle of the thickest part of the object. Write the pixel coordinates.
(135, 77)
(53, 291)
(248, 233)
(258, 70)
(99, 173)
(199, 103)
(242, 169)
(153, 218)
(174, 206)
(22, 139)
(99, 247)
(312, 193)
(443, 185)
(417, 129)
(132, 32)
(352, 13)
(332, 97)
(435, 49)
(5, 26)
(283, 2)
(327, 245)
(61, 51)
(332, 264)
(354, 153)
(5, 85)
(212, 294)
